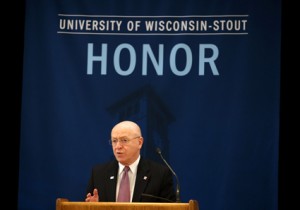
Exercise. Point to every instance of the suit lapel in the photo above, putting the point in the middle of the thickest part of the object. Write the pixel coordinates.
(142, 178)
(112, 175)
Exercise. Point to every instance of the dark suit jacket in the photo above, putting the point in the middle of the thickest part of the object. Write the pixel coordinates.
(152, 178)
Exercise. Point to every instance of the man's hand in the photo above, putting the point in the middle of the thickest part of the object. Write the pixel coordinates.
(92, 198)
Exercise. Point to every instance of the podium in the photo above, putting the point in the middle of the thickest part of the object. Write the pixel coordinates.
(65, 204)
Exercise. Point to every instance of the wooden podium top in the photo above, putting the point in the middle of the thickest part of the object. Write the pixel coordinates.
(65, 204)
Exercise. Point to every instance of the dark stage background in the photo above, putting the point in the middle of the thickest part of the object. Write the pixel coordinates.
(13, 59)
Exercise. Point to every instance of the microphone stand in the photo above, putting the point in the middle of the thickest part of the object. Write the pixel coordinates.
(177, 184)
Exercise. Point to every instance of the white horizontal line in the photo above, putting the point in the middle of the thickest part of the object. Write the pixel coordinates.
(158, 16)
(151, 34)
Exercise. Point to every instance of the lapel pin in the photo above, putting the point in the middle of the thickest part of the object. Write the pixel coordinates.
(145, 177)
(112, 177)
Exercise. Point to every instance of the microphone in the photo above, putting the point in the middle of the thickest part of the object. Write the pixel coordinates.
(156, 197)
(177, 185)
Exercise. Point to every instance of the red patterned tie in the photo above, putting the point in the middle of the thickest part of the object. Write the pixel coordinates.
(124, 190)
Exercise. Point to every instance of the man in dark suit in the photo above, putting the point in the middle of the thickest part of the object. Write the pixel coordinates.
(149, 181)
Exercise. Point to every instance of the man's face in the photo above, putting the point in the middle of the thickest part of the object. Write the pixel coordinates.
(126, 146)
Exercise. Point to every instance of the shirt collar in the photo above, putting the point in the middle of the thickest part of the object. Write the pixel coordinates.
(133, 166)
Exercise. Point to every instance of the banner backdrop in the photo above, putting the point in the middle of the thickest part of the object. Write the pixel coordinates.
(202, 78)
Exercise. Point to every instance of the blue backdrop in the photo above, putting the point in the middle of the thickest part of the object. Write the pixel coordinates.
(202, 78)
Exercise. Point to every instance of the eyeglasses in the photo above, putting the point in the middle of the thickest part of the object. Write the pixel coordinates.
(122, 141)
